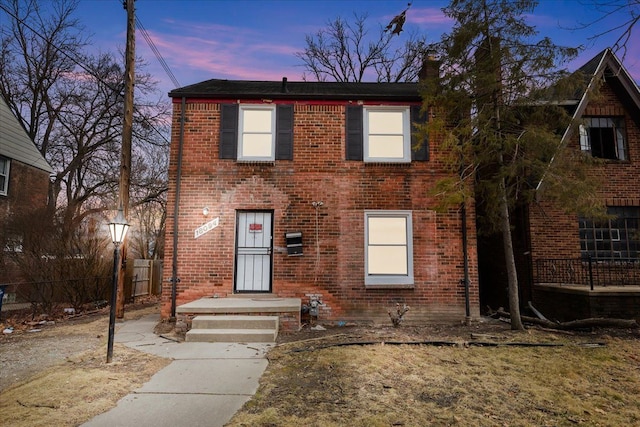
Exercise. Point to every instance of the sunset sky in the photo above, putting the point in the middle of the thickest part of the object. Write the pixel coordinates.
(257, 40)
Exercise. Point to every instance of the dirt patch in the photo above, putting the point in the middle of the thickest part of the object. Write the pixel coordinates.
(495, 377)
(38, 343)
(58, 375)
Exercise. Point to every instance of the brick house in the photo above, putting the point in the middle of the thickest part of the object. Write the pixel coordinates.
(24, 184)
(577, 267)
(312, 190)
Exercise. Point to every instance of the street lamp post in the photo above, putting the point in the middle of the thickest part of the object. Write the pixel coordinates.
(118, 228)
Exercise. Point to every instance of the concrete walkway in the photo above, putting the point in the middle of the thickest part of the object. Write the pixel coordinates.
(204, 385)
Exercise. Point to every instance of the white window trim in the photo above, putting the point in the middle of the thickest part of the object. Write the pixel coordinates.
(389, 280)
(585, 144)
(5, 188)
(406, 132)
(244, 107)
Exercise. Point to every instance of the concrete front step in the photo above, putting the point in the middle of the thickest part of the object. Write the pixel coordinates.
(286, 309)
(235, 322)
(231, 335)
(233, 328)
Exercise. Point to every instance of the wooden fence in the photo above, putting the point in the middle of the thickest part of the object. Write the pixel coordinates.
(143, 278)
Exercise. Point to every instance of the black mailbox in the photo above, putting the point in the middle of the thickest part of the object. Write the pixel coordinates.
(294, 243)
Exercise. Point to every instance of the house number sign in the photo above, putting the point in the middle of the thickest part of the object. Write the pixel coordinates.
(203, 229)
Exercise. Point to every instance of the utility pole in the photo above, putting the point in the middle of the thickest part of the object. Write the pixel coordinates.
(127, 132)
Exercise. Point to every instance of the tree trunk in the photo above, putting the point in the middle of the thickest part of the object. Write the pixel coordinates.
(512, 275)
(592, 322)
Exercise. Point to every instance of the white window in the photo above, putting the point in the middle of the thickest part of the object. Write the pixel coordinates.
(4, 176)
(257, 124)
(387, 135)
(388, 248)
(603, 137)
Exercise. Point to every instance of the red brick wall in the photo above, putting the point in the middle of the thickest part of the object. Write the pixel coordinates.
(554, 234)
(28, 189)
(333, 265)
(27, 192)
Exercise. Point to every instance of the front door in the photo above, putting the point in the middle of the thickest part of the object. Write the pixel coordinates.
(253, 251)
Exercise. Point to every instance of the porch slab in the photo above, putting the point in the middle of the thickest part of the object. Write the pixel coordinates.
(570, 302)
(288, 310)
(241, 305)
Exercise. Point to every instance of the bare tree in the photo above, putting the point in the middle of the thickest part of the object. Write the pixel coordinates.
(629, 13)
(72, 269)
(351, 52)
(71, 105)
(150, 196)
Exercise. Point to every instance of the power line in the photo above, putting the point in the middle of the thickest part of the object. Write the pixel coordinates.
(153, 48)
(156, 52)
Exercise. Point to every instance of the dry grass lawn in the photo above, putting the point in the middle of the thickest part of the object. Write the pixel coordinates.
(78, 390)
(64, 379)
(314, 380)
(437, 385)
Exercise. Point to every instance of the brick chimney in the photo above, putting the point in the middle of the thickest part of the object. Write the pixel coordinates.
(430, 71)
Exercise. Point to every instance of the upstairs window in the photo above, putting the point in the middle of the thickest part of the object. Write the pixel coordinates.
(615, 239)
(384, 134)
(256, 133)
(387, 136)
(4, 176)
(603, 137)
(257, 125)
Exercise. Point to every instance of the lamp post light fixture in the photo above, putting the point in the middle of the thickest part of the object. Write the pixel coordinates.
(118, 228)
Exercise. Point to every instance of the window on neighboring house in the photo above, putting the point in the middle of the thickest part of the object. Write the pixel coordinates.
(4, 176)
(603, 137)
(615, 239)
(384, 134)
(256, 133)
(388, 248)
(13, 244)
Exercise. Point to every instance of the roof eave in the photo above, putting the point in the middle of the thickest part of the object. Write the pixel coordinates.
(296, 97)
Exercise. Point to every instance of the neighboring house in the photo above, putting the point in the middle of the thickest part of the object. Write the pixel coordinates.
(577, 267)
(24, 184)
(312, 189)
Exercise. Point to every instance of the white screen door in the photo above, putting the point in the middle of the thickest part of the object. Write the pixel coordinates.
(253, 251)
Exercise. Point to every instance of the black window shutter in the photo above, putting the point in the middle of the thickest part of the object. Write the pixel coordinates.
(354, 136)
(284, 132)
(229, 131)
(419, 149)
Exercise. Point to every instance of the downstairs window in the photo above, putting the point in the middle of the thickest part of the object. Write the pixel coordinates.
(614, 239)
(388, 248)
